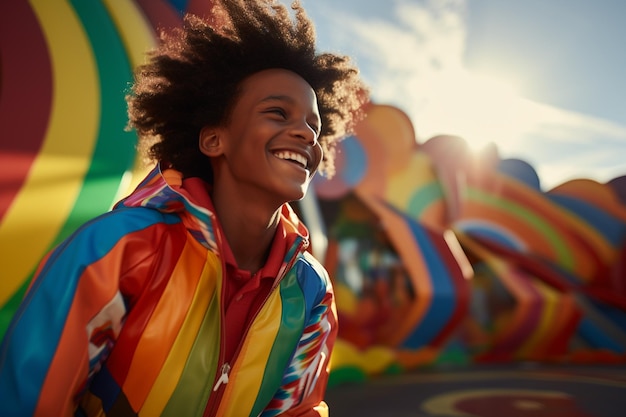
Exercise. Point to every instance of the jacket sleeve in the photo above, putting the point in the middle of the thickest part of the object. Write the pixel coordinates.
(309, 369)
(66, 324)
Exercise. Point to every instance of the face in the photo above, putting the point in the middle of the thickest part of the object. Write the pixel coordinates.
(269, 146)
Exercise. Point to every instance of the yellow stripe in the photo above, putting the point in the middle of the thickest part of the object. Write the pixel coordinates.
(250, 366)
(403, 185)
(56, 177)
(568, 223)
(163, 329)
(170, 374)
(132, 26)
(138, 37)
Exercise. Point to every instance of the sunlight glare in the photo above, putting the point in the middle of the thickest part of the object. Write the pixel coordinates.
(478, 108)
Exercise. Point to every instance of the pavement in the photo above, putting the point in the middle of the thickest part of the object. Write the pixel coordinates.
(512, 390)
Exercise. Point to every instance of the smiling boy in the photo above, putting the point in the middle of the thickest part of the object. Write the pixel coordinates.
(196, 294)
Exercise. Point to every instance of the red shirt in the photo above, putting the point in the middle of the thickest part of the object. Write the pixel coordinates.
(243, 293)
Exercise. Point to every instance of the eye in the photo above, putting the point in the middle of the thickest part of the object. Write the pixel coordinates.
(278, 111)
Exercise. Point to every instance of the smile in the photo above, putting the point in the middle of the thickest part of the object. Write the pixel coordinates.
(293, 157)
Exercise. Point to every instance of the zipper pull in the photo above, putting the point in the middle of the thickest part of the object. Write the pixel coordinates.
(223, 377)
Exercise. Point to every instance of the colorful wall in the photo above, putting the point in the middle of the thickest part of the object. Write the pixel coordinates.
(441, 255)
(65, 156)
(438, 255)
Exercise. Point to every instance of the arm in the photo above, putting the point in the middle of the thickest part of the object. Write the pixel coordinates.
(66, 324)
(313, 380)
(304, 383)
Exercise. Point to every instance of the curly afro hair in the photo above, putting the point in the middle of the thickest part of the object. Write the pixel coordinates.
(191, 80)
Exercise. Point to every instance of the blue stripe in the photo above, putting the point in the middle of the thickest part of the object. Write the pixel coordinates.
(179, 5)
(610, 227)
(310, 281)
(106, 388)
(614, 314)
(492, 233)
(444, 294)
(31, 340)
(597, 338)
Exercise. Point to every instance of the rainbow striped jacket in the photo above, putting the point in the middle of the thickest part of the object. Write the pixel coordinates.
(124, 318)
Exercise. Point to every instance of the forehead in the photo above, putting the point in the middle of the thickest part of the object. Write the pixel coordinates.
(277, 84)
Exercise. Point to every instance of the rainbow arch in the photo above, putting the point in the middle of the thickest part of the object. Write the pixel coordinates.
(65, 155)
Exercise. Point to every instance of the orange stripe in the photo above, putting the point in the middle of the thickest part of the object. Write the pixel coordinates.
(562, 220)
(161, 331)
(412, 259)
(600, 195)
(70, 365)
(169, 378)
(512, 223)
(434, 215)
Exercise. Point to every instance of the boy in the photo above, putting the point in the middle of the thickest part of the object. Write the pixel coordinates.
(196, 296)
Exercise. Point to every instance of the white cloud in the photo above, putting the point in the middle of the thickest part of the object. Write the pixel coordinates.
(415, 62)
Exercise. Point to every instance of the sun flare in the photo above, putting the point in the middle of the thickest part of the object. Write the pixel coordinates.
(480, 109)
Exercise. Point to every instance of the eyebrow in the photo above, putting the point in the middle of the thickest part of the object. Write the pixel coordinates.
(278, 98)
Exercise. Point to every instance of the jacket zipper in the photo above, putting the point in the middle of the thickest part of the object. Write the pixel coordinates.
(223, 379)
(219, 386)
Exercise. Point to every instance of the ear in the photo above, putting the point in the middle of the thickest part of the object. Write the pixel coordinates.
(210, 141)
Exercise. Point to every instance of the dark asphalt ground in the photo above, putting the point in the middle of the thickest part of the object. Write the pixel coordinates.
(517, 390)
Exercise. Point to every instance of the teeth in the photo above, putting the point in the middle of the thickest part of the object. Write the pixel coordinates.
(292, 156)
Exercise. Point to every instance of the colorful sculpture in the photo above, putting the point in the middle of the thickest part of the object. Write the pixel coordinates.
(438, 254)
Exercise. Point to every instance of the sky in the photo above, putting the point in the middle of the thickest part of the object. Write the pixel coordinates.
(545, 80)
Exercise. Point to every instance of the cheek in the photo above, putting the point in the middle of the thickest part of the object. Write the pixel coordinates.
(319, 155)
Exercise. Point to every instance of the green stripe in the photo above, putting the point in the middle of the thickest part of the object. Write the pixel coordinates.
(115, 148)
(292, 325)
(423, 198)
(10, 307)
(194, 386)
(531, 219)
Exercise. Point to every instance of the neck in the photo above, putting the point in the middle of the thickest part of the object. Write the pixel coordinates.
(248, 227)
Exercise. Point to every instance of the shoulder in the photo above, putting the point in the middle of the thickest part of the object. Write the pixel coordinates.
(316, 267)
(131, 219)
(110, 228)
(312, 276)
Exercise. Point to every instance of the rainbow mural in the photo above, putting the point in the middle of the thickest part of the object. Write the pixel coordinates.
(65, 156)
(443, 255)
(437, 254)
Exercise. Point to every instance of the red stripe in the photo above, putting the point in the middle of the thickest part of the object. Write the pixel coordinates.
(552, 213)
(160, 14)
(25, 96)
(143, 293)
(200, 7)
(556, 341)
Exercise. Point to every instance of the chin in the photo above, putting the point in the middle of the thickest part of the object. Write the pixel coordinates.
(297, 195)
(294, 191)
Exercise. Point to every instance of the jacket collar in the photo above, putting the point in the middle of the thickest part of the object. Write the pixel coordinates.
(161, 190)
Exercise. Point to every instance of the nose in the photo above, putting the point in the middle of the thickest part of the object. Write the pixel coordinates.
(303, 130)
